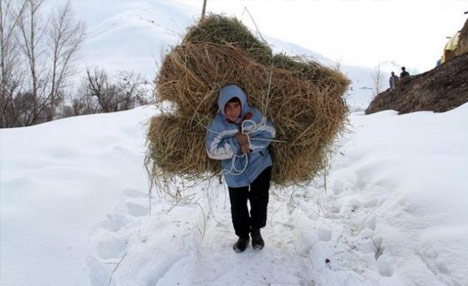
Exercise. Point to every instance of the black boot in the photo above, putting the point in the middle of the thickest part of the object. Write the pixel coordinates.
(241, 244)
(257, 240)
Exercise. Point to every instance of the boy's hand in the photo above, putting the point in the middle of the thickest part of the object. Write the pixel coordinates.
(242, 139)
(245, 148)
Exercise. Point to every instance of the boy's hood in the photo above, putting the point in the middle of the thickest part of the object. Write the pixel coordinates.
(227, 93)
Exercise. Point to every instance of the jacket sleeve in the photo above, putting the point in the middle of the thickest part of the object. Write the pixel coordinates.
(220, 144)
(261, 134)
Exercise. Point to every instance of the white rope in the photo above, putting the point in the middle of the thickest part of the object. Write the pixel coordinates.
(233, 170)
(256, 139)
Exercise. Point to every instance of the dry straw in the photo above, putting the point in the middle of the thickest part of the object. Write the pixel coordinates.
(304, 102)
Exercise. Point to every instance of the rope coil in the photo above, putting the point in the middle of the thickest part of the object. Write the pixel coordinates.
(233, 170)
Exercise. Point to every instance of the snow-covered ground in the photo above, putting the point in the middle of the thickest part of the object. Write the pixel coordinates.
(74, 208)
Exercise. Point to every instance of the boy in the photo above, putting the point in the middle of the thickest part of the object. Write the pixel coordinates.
(239, 136)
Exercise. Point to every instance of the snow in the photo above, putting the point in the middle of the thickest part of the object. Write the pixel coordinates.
(57, 179)
(74, 204)
(128, 35)
(74, 207)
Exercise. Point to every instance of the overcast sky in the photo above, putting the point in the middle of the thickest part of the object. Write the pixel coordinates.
(411, 33)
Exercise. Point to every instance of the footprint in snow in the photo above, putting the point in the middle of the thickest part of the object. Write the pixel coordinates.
(137, 209)
(324, 234)
(110, 247)
(109, 237)
(384, 266)
(132, 193)
(114, 222)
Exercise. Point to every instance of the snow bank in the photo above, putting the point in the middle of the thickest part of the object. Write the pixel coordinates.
(56, 180)
(400, 180)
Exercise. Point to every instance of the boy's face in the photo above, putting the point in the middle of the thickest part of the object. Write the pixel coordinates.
(233, 110)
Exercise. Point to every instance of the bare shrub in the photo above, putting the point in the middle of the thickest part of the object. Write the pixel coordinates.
(100, 93)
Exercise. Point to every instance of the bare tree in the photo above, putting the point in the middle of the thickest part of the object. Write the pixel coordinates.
(32, 48)
(132, 89)
(10, 74)
(124, 93)
(378, 79)
(65, 38)
(97, 86)
(48, 48)
(80, 106)
(338, 64)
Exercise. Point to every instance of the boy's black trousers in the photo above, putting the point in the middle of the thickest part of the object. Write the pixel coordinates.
(258, 197)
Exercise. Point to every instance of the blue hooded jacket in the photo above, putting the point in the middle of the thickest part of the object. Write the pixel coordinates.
(239, 170)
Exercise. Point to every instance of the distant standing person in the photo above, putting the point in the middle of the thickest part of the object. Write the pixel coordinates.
(403, 73)
(393, 80)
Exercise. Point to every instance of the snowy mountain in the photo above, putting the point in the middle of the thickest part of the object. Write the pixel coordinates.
(74, 208)
(135, 35)
(130, 35)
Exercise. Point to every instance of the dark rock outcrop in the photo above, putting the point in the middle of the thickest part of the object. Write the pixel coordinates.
(441, 89)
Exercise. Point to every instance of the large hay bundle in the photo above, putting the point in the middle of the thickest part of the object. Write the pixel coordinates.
(305, 102)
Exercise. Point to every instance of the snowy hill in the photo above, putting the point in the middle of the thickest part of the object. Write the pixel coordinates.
(74, 208)
(130, 35)
(135, 35)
